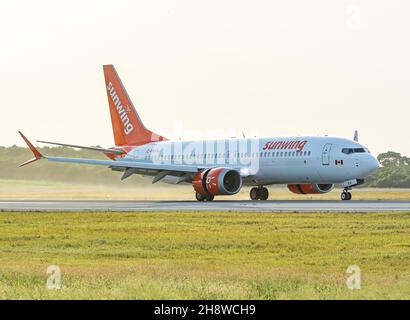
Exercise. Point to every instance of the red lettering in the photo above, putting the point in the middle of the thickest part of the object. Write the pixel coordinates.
(301, 145)
(298, 145)
(285, 144)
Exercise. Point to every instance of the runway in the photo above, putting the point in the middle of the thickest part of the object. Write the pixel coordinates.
(240, 206)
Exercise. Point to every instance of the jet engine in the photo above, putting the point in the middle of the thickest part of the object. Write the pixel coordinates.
(217, 181)
(310, 188)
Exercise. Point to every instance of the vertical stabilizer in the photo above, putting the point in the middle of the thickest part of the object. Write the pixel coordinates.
(127, 126)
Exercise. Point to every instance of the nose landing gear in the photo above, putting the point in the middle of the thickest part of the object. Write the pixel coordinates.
(259, 193)
(347, 185)
(346, 195)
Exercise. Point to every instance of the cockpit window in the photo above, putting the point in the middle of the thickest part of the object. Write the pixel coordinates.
(353, 150)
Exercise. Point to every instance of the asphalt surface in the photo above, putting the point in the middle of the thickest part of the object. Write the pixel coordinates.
(218, 205)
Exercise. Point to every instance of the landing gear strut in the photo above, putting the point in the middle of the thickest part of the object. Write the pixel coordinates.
(204, 197)
(346, 195)
(259, 193)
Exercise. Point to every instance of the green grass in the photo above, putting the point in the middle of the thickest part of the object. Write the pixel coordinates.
(134, 190)
(204, 255)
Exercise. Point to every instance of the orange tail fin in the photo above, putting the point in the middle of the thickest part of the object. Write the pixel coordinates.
(126, 124)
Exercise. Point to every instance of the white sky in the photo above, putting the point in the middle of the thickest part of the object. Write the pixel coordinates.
(277, 68)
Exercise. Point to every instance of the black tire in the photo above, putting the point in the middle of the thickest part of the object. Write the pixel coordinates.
(263, 194)
(349, 196)
(200, 197)
(209, 197)
(344, 196)
(254, 194)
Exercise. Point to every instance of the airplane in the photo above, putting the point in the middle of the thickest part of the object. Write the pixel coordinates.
(307, 165)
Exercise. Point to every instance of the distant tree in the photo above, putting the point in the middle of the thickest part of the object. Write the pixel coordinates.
(391, 158)
(394, 173)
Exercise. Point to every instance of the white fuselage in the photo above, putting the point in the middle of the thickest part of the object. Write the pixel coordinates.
(264, 161)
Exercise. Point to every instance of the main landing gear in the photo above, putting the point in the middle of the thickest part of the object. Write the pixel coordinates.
(346, 195)
(259, 193)
(204, 197)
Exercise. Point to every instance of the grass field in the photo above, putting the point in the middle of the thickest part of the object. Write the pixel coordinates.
(204, 255)
(29, 190)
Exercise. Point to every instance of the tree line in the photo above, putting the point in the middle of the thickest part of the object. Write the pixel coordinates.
(12, 157)
(394, 172)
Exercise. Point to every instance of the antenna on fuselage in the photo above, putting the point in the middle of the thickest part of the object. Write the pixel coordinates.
(356, 136)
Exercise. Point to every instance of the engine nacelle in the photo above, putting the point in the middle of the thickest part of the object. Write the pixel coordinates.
(310, 188)
(217, 181)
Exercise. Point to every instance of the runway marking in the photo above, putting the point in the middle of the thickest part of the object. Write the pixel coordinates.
(218, 205)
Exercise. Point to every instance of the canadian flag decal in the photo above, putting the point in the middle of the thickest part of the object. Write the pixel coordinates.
(338, 162)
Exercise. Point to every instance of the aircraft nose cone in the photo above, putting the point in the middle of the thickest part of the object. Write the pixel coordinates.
(374, 163)
(370, 164)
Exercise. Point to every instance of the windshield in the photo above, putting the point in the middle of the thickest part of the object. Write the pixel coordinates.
(353, 150)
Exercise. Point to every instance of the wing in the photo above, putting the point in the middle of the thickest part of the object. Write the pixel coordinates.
(158, 170)
(185, 172)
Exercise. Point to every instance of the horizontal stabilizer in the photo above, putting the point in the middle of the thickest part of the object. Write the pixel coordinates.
(113, 151)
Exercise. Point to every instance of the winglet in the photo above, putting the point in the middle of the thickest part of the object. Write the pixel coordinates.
(36, 153)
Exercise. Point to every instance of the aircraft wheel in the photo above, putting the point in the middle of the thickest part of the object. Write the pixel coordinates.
(200, 197)
(349, 196)
(254, 194)
(345, 195)
(264, 194)
(209, 197)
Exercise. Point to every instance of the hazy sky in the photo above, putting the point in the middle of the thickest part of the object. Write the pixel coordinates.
(276, 68)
